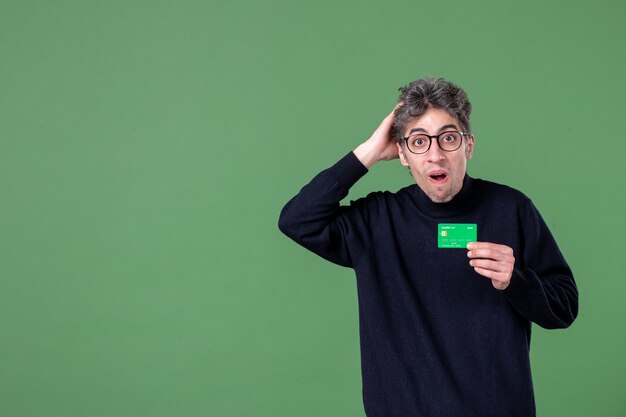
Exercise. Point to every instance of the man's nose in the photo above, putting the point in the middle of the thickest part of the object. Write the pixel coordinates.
(435, 153)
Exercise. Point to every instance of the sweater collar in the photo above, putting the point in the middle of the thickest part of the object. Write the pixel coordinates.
(462, 202)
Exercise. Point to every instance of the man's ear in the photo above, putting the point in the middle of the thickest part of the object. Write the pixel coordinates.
(469, 150)
(401, 155)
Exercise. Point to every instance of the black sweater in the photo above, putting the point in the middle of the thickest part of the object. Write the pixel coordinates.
(436, 338)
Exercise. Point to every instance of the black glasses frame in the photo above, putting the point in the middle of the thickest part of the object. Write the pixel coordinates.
(430, 141)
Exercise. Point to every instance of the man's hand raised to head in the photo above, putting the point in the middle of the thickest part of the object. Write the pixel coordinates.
(380, 146)
(493, 261)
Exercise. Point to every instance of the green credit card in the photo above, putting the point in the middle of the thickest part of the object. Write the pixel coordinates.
(456, 235)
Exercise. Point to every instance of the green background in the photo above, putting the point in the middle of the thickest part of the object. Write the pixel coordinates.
(147, 147)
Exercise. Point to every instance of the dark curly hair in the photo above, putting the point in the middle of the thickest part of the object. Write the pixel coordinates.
(426, 93)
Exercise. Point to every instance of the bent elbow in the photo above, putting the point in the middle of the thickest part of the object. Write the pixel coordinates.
(284, 226)
(572, 310)
(573, 313)
(565, 318)
(286, 223)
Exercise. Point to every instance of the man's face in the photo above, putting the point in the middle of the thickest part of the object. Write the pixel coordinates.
(438, 173)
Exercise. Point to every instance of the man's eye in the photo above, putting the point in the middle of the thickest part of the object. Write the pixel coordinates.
(449, 138)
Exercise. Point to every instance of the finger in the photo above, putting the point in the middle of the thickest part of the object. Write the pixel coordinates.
(484, 253)
(492, 246)
(489, 245)
(490, 265)
(391, 115)
(387, 122)
(498, 280)
(493, 275)
(490, 254)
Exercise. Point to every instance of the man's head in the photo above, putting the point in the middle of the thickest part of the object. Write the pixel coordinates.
(431, 107)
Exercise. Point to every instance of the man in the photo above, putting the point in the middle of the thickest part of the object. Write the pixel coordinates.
(444, 331)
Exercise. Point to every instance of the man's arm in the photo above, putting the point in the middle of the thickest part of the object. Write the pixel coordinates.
(314, 217)
(380, 146)
(542, 289)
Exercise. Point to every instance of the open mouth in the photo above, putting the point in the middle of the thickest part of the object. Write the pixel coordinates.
(438, 178)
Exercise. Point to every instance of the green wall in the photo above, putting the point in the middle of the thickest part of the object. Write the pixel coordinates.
(147, 147)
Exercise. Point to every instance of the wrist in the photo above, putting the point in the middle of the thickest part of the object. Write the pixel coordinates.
(366, 154)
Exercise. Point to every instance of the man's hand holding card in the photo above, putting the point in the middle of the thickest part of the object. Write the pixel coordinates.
(493, 261)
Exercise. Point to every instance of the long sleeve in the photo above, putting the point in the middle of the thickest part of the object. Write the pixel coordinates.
(426, 318)
(542, 288)
(315, 219)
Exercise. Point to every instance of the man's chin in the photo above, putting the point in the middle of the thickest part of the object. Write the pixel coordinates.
(440, 196)
(440, 199)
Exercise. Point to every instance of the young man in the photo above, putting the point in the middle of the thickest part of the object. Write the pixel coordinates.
(451, 271)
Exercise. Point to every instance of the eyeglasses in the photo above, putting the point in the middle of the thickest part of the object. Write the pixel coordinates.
(450, 141)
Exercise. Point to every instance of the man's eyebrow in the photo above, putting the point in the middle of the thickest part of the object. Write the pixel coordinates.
(441, 129)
